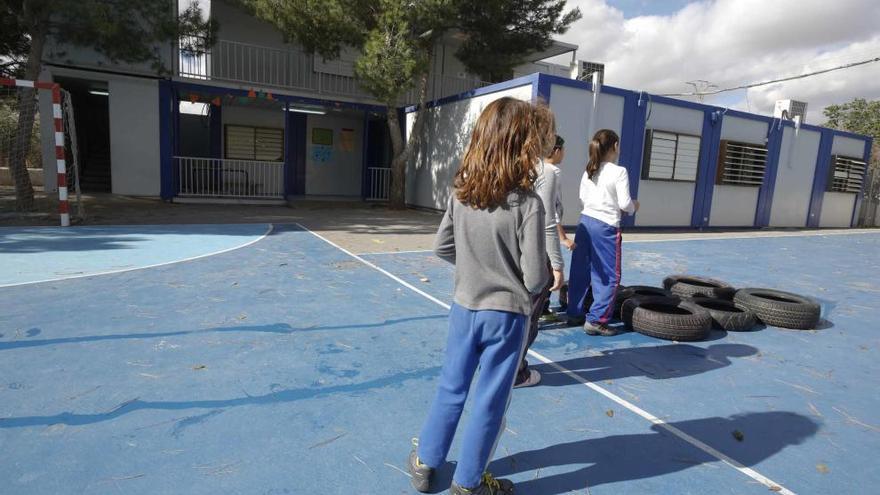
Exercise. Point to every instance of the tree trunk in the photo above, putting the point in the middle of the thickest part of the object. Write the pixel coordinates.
(403, 151)
(21, 146)
(397, 194)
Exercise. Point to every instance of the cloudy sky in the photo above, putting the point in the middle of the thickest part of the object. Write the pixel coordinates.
(658, 45)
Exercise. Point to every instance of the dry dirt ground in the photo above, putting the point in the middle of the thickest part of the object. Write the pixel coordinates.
(357, 226)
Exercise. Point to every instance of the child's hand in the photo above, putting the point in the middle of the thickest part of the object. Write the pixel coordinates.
(569, 244)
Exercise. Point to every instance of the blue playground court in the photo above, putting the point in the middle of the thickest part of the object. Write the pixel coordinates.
(263, 359)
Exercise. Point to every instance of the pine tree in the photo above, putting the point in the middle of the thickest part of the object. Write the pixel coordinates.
(128, 31)
(396, 39)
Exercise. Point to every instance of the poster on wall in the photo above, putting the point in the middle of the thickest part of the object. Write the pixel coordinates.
(346, 140)
(321, 153)
(322, 137)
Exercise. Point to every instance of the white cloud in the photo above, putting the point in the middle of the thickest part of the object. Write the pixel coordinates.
(732, 42)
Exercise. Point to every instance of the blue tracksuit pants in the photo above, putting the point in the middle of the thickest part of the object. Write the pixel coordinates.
(595, 265)
(492, 340)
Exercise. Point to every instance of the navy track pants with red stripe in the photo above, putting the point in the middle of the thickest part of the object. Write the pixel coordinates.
(595, 265)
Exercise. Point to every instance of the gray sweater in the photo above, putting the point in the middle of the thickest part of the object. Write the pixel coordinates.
(498, 254)
(547, 188)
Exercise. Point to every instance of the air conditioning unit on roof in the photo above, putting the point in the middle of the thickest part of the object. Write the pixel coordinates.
(791, 109)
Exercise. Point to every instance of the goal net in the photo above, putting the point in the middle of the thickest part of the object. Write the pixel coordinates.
(21, 148)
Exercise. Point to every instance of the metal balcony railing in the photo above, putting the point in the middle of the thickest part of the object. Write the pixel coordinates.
(290, 68)
(235, 179)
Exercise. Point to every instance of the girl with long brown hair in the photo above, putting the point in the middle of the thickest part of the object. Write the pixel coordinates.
(493, 231)
(595, 261)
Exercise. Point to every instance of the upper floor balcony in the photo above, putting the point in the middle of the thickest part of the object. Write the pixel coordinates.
(294, 69)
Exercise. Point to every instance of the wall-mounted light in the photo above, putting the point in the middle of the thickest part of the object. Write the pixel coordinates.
(193, 108)
(309, 110)
(99, 92)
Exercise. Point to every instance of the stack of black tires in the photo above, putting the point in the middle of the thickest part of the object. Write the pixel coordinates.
(687, 308)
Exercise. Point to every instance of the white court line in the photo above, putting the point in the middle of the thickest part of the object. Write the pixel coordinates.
(398, 252)
(751, 473)
(703, 237)
(371, 265)
(716, 237)
(110, 272)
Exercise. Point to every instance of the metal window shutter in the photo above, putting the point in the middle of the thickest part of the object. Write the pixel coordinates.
(848, 174)
(673, 156)
(741, 164)
(687, 158)
(661, 163)
(240, 142)
(269, 145)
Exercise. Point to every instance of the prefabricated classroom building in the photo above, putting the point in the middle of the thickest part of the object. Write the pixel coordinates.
(691, 165)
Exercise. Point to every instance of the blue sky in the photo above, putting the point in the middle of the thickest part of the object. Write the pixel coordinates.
(635, 8)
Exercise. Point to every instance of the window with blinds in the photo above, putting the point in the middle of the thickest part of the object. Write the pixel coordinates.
(741, 164)
(670, 156)
(847, 174)
(254, 143)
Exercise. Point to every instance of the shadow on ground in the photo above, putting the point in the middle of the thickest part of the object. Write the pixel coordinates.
(657, 362)
(749, 438)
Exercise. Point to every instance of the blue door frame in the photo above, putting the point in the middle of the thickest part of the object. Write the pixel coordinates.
(295, 142)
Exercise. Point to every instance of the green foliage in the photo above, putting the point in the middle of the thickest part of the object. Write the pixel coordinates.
(396, 37)
(9, 129)
(121, 30)
(129, 30)
(14, 42)
(392, 57)
(320, 26)
(500, 33)
(859, 116)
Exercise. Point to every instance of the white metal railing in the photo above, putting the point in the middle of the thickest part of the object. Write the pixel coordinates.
(223, 178)
(193, 59)
(291, 68)
(379, 180)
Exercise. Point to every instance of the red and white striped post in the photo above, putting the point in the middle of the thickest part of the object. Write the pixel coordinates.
(63, 205)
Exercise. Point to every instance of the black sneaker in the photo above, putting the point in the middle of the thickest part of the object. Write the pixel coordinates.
(421, 473)
(575, 321)
(600, 329)
(488, 486)
(546, 308)
(529, 378)
(550, 317)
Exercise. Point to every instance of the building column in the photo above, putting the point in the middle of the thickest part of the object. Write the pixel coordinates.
(166, 163)
(820, 179)
(365, 149)
(710, 141)
(866, 157)
(295, 125)
(216, 125)
(775, 133)
(632, 137)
